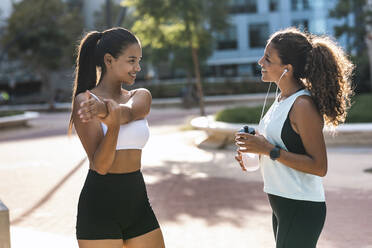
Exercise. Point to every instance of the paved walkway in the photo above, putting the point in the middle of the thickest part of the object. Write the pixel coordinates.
(201, 197)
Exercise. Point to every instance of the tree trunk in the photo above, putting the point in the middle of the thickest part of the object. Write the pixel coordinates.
(368, 40)
(48, 90)
(369, 46)
(108, 14)
(199, 88)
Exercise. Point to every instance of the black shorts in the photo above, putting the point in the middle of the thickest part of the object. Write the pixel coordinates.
(114, 206)
(297, 223)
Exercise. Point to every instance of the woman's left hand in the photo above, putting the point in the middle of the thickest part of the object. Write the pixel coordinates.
(253, 143)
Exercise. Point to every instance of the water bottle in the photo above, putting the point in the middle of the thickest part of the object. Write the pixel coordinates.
(250, 160)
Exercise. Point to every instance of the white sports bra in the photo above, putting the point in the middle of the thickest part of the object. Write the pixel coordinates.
(133, 135)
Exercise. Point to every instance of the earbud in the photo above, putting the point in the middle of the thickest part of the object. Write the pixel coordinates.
(284, 72)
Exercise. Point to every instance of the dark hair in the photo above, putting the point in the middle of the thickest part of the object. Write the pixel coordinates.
(90, 57)
(323, 68)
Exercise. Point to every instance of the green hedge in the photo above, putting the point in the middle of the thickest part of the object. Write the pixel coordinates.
(10, 113)
(361, 111)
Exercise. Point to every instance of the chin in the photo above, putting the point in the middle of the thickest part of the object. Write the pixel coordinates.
(129, 83)
(264, 79)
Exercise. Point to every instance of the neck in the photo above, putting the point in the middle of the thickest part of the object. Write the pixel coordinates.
(288, 87)
(110, 88)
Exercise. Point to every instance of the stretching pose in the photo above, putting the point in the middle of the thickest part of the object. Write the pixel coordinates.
(313, 75)
(113, 210)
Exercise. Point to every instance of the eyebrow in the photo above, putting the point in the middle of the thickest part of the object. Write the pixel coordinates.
(134, 57)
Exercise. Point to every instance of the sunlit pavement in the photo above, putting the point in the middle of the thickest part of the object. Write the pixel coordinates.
(201, 197)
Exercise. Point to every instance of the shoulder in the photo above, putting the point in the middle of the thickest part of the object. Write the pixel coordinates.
(304, 102)
(142, 92)
(79, 98)
(304, 109)
(141, 95)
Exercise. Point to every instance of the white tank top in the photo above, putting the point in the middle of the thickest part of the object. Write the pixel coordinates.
(280, 179)
(133, 135)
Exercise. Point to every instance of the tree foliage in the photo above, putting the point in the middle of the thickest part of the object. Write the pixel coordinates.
(182, 27)
(356, 17)
(43, 33)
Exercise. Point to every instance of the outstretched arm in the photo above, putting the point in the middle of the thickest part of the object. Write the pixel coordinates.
(136, 108)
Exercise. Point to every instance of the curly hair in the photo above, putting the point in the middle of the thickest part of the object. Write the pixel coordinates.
(322, 66)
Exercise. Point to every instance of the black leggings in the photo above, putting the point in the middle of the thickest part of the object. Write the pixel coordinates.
(297, 223)
(114, 206)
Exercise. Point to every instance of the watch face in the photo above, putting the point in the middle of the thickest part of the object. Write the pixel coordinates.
(275, 153)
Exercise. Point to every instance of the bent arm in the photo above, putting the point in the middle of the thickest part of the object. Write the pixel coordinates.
(100, 149)
(138, 106)
(309, 125)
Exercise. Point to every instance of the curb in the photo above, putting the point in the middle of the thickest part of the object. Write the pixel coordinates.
(221, 134)
(17, 120)
(243, 99)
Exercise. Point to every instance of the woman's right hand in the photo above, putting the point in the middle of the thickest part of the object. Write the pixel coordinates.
(238, 158)
(113, 116)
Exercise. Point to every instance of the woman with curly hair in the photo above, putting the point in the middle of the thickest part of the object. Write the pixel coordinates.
(313, 75)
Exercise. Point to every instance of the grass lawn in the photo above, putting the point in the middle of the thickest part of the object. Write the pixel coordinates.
(10, 113)
(361, 111)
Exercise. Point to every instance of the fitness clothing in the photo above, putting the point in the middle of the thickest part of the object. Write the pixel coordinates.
(280, 179)
(296, 223)
(114, 206)
(133, 135)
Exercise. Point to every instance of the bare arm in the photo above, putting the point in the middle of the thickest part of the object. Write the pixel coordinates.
(100, 149)
(309, 125)
(136, 108)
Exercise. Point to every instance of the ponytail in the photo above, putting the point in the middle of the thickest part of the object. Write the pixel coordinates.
(85, 71)
(91, 52)
(322, 66)
(329, 80)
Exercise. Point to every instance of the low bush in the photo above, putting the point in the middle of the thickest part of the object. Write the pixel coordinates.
(360, 111)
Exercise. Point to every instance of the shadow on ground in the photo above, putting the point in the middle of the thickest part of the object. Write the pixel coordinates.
(214, 199)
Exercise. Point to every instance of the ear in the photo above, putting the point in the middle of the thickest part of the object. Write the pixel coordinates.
(108, 59)
(289, 67)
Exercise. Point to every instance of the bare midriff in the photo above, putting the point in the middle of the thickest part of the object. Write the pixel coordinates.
(126, 161)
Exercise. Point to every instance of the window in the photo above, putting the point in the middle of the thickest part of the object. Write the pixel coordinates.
(273, 5)
(303, 25)
(229, 70)
(300, 5)
(258, 35)
(227, 39)
(243, 6)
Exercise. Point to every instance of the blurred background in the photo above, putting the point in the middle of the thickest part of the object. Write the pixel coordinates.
(212, 43)
(199, 58)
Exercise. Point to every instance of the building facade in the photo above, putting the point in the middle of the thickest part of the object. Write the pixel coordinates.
(237, 50)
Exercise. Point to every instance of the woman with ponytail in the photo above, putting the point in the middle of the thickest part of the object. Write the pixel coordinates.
(313, 75)
(113, 209)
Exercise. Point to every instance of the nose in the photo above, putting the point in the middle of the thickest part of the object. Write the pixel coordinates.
(260, 61)
(138, 68)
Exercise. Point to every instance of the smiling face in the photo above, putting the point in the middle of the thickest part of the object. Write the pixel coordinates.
(271, 65)
(127, 65)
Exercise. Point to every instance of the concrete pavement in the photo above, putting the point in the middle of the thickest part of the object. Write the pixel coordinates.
(201, 197)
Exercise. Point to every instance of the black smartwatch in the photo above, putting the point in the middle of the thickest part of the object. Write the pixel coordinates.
(275, 152)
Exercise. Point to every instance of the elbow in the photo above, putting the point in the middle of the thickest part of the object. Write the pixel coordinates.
(322, 171)
(100, 171)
